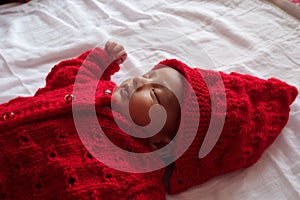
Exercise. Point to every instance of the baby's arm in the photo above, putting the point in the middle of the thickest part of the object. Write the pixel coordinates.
(94, 62)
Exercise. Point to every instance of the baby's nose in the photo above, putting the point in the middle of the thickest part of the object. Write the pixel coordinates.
(139, 81)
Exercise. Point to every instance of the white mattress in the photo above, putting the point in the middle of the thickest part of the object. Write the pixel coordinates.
(254, 37)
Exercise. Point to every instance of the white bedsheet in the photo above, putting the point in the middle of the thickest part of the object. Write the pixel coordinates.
(254, 37)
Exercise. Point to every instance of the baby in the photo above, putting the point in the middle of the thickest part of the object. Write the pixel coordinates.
(236, 117)
(42, 155)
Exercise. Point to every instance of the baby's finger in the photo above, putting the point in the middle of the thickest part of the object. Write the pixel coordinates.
(120, 53)
(109, 46)
(117, 48)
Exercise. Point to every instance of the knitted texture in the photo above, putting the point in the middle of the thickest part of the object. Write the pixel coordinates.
(257, 110)
(41, 154)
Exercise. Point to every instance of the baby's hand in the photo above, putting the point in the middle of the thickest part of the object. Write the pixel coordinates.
(116, 52)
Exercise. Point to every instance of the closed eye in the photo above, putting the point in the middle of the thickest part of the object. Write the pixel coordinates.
(156, 96)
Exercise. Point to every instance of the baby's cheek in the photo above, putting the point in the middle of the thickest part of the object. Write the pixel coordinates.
(139, 107)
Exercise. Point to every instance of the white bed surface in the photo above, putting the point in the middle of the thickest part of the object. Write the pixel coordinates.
(254, 37)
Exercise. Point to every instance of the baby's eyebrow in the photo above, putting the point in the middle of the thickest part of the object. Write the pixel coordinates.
(150, 73)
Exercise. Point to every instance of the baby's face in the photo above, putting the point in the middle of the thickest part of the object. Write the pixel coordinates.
(135, 96)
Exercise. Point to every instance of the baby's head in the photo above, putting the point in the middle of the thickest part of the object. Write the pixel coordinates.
(135, 96)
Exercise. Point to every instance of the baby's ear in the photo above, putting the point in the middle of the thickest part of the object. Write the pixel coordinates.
(158, 141)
